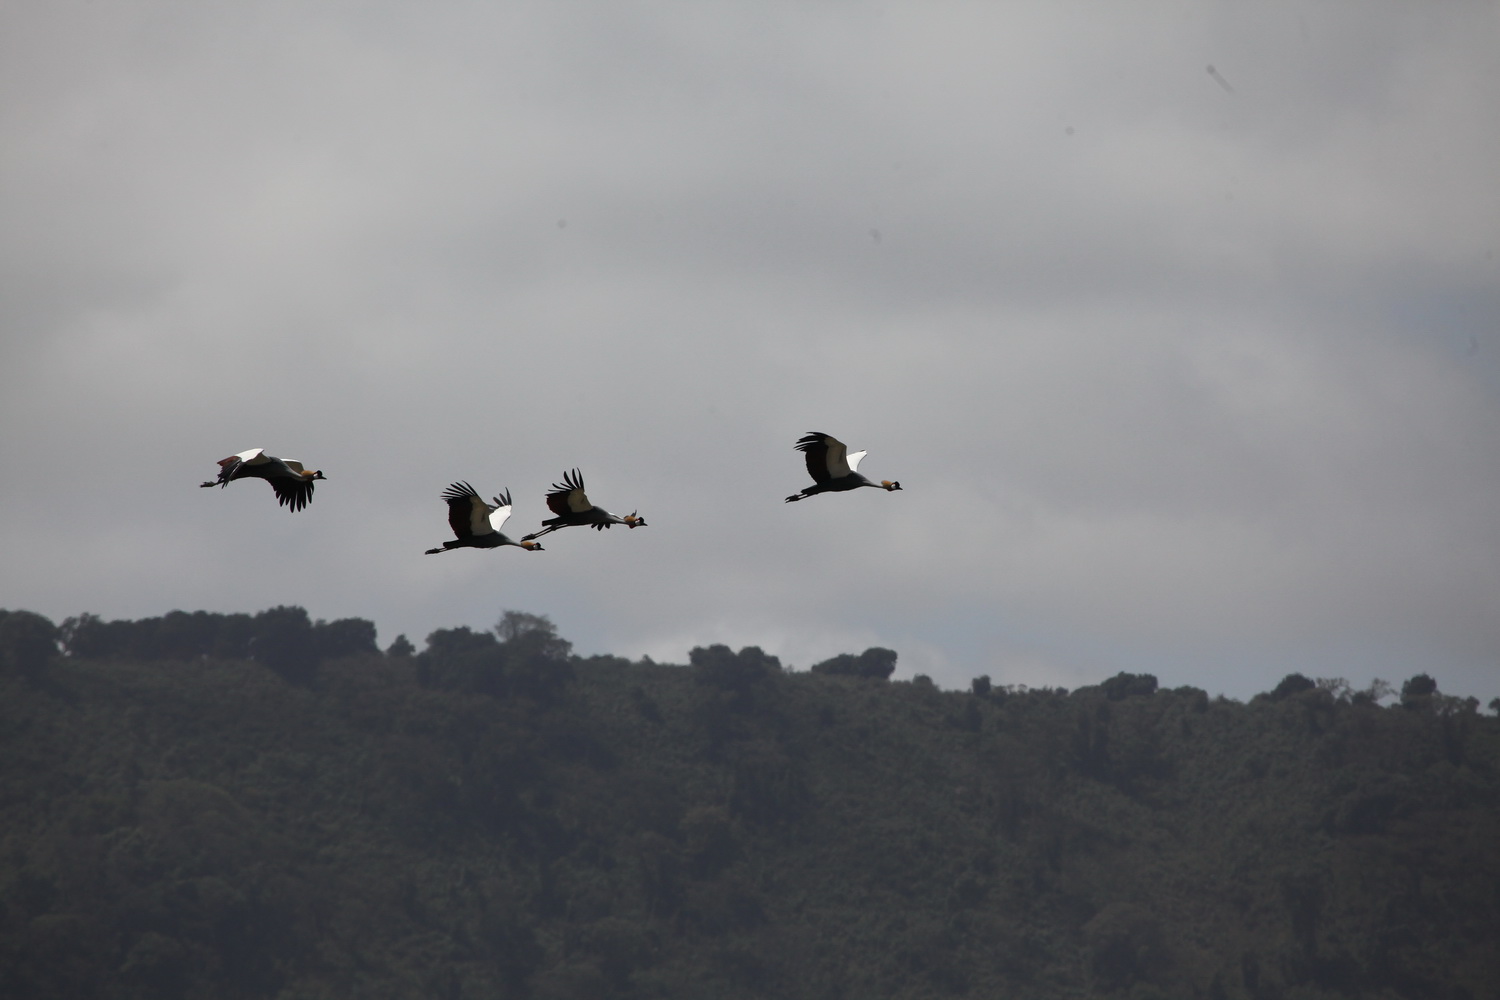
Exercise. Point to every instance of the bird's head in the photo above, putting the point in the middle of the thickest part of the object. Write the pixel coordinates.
(888, 485)
(530, 546)
(634, 520)
(318, 474)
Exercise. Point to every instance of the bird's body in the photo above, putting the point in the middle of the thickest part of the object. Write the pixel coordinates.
(293, 484)
(572, 507)
(833, 467)
(475, 523)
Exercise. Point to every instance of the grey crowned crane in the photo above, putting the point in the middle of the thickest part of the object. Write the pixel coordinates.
(476, 523)
(293, 484)
(832, 467)
(571, 505)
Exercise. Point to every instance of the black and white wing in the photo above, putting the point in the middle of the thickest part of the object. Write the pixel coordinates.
(229, 466)
(468, 514)
(500, 511)
(827, 456)
(567, 497)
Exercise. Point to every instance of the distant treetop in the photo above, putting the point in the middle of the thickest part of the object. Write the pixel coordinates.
(876, 662)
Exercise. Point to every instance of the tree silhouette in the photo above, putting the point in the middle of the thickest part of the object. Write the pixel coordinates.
(283, 641)
(1418, 692)
(28, 642)
(876, 662)
(344, 637)
(1122, 686)
(1291, 684)
(742, 673)
(535, 657)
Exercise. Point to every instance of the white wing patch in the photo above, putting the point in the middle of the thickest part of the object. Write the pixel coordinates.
(578, 502)
(853, 460)
(479, 516)
(293, 464)
(498, 516)
(255, 456)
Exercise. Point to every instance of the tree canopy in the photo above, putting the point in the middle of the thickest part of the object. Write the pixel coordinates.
(262, 805)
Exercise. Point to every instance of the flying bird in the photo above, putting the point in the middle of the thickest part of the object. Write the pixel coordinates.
(832, 467)
(476, 523)
(293, 484)
(571, 505)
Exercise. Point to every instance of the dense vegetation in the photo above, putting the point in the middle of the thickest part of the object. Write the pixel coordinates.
(263, 806)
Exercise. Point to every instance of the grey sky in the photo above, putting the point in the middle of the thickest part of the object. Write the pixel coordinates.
(1178, 377)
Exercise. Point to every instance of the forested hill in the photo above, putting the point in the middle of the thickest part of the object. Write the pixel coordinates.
(261, 806)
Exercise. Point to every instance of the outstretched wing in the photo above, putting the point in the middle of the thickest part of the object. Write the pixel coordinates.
(293, 493)
(253, 456)
(567, 497)
(468, 514)
(500, 511)
(229, 466)
(826, 456)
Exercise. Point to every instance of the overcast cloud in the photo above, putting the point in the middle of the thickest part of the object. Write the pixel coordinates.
(1187, 372)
